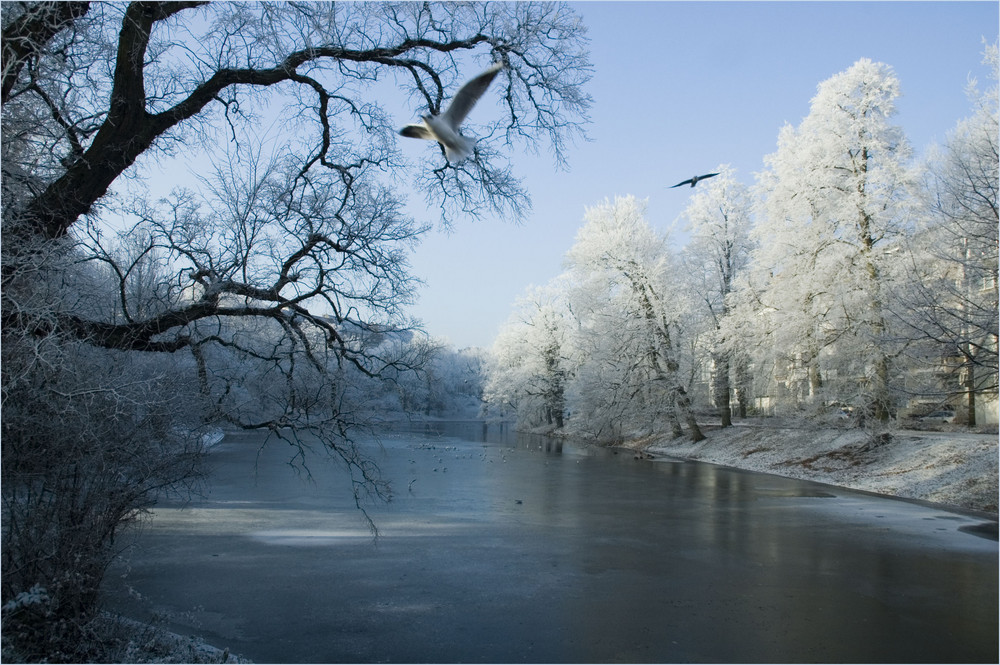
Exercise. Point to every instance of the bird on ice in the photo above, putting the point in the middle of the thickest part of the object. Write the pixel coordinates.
(694, 181)
(444, 128)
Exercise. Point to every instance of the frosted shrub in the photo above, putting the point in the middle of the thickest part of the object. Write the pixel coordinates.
(90, 439)
(36, 595)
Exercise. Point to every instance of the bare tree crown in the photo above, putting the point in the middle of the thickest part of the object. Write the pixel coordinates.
(92, 90)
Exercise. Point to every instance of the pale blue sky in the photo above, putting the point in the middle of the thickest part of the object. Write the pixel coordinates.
(679, 88)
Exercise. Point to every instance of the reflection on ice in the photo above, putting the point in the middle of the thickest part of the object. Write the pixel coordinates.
(535, 551)
(318, 536)
(311, 537)
(296, 527)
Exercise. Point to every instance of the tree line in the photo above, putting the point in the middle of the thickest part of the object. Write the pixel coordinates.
(850, 283)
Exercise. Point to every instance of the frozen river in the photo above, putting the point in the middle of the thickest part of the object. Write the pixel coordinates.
(499, 548)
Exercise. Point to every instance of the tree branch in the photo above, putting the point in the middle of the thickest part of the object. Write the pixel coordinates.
(30, 32)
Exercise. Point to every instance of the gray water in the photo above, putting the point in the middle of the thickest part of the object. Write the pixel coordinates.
(507, 548)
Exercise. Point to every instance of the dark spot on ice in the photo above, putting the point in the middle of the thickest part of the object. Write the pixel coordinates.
(986, 530)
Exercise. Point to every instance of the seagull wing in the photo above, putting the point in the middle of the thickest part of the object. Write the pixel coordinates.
(686, 182)
(469, 95)
(417, 132)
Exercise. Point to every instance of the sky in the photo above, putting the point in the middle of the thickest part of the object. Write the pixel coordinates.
(680, 88)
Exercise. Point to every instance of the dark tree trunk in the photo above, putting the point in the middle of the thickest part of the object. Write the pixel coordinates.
(815, 379)
(684, 403)
(742, 386)
(127, 132)
(30, 32)
(722, 389)
(970, 385)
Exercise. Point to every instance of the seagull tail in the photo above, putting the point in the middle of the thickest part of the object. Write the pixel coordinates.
(459, 150)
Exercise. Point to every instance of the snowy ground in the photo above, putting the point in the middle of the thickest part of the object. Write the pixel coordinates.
(953, 468)
(117, 639)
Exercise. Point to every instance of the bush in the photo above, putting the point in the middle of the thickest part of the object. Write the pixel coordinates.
(90, 438)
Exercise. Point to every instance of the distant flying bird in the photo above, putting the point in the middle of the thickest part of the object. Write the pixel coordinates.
(444, 128)
(694, 181)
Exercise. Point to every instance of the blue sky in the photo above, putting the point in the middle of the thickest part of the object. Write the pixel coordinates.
(679, 88)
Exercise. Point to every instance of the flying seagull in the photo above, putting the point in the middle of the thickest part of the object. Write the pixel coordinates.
(444, 128)
(694, 181)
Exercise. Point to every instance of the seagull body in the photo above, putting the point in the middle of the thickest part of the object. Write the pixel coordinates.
(444, 128)
(694, 181)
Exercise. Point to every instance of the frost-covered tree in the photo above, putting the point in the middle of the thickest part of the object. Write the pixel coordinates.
(828, 234)
(629, 315)
(529, 370)
(719, 220)
(439, 380)
(950, 299)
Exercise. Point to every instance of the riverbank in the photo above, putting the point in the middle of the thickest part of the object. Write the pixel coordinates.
(953, 468)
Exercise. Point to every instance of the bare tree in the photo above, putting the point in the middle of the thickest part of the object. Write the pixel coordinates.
(281, 239)
(309, 241)
(951, 301)
(173, 65)
(278, 274)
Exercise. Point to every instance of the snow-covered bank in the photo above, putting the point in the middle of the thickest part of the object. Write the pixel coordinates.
(113, 638)
(954, 468)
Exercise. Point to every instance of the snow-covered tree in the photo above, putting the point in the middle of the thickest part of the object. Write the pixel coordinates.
(529, 370)
(628, 315)
(719, 220)
(829, 230)
(435, 381)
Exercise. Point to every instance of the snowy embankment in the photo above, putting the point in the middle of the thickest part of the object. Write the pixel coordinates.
(124, 640)
(954, 468)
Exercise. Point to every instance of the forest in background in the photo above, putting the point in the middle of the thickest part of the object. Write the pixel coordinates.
(851, 284)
